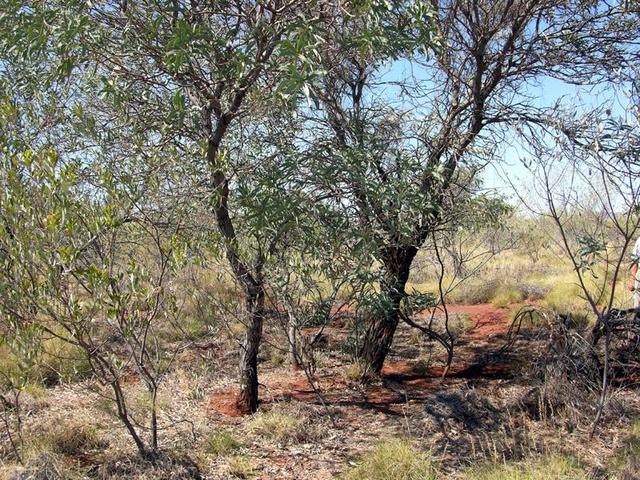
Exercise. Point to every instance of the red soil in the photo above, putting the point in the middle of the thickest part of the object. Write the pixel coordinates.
(226, 403)
(401, 381)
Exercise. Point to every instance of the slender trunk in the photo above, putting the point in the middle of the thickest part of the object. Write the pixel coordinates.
(251, 281)
(293, 342)
(382, 327)
(248, 397)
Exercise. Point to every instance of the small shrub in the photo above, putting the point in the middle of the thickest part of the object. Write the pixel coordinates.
(459, 323)
(221, 443)
(278, 425)
(531, 291)
(350, 346)
(546, 468)
(530, 317)
(192, 328)
(240, 467)
(394, 459)
(422, 366)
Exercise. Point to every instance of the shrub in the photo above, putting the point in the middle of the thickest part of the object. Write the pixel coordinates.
(220, 443)
(459, 323)
(394, 459)
(278, 425)
(474, 292)
(546, 468)
(530, 317)
(276, 358)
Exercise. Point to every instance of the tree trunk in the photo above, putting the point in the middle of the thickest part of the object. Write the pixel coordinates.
(292, 337)
(382, 327)
(248, 396)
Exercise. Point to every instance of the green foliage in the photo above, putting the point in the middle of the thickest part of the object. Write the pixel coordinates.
(394, 459)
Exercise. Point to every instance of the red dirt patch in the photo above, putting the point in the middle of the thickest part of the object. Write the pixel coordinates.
(402, 381)
(226, 403)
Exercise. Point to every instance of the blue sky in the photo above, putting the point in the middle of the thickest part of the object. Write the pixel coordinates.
(545, 92)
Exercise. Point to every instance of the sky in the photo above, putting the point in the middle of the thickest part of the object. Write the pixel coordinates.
(545, 92)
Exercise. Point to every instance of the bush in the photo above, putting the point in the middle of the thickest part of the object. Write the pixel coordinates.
(62, 362)
(55, 361)
(474, 292)
(546, 468)
(394, 459)
(276, 358)
(354, 372)
(458, 323)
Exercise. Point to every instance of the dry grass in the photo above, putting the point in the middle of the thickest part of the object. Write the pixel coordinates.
(240, 466)
(279, 425)
(625, 464)
(544, 468)
(393, 459)
(220, 443)
(64, 436)
(354, 372)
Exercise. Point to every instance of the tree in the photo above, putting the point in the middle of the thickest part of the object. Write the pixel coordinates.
(63, 274)
(393, 165)
(180, 76)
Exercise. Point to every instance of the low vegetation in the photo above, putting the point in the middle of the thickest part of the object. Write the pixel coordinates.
(395, 459)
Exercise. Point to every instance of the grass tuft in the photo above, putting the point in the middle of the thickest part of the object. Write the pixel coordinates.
(626, 461)
(505, 295)
(240, 466)
(220, 443)
(545, 468)
(393, 459)
(278, 425)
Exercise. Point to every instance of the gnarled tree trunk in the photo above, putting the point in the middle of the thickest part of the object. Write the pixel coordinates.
(248, 367)
(382, 327)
